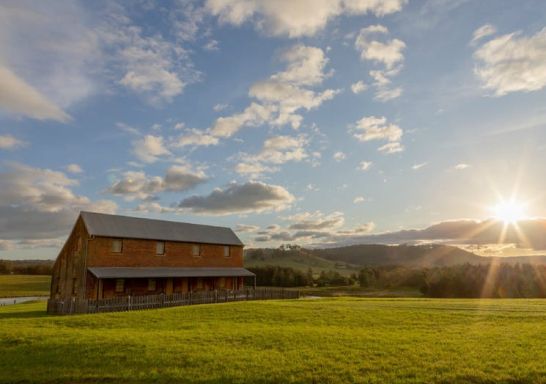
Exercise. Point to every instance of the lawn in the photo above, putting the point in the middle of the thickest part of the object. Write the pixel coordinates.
(328, 340)
(24, 285)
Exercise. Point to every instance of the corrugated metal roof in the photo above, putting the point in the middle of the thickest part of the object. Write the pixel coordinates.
(100, 224)
(156, 272)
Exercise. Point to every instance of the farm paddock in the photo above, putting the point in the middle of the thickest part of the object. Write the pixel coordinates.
(330, 340)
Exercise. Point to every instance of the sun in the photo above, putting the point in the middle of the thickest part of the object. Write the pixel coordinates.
(510, 211)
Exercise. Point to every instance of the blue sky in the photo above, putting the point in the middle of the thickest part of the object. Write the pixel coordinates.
(309, 122)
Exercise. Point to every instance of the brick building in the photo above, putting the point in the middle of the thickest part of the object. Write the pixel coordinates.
(109, 255)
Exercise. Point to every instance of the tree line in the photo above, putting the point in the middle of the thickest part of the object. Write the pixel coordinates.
(26, 267)
(467, 280)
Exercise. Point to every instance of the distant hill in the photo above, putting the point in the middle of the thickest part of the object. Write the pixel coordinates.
(429, 255)
(351, 258)
(297, 258)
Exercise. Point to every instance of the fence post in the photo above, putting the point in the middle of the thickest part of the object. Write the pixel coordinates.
(129, 300)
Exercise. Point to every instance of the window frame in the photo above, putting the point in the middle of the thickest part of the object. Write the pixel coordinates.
(193, 247)
(228, 248)
(112, 250)
(163, 248)
(118, 281)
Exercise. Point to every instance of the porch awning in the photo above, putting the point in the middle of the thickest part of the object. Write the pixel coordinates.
(158, 272)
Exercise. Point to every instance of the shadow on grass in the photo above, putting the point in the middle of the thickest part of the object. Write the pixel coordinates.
(22, 311)
(23, 314)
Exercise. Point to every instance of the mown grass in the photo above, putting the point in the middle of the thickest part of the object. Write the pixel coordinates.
(24, 285)
(330, 340)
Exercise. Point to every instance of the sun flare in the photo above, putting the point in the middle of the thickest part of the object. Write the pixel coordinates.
(509, 211)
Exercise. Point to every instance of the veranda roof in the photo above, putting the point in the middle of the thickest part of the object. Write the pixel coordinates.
(158, 272)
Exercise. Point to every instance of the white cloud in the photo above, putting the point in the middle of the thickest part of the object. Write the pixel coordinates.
(461, 166)
(512, 63)
(7, 245)
(296, 18)
(316, 221)
(61, 36)
(127, 128)
(359, 199)
(278, 99)
(358, 87)
(390, 148)
(211, 45)
(219, 107)
(37, 203)
(137, 185)
(147, 63)
(376, 128)
(246, 228)
(276, 150)
(250, 197)
(150, 148)
(194, 137)
(483, 31)
(85, 50)
(74, 168)
(386, 94)
(365, 165)
(10, 142)
(19, 98)
(254, 169)
(313, 227)
(388, 54)
(339, 156)
(305, 66)
(416, 167)
(253, 115)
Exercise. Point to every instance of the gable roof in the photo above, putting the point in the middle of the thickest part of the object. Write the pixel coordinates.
(101, 224)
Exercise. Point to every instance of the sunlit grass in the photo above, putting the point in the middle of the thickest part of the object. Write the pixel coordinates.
(298, 341)
(24, 285)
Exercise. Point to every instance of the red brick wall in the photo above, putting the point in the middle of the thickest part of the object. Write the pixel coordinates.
(142, 253)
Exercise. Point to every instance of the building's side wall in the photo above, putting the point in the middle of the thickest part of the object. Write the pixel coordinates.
(69, 272)
(142, 253)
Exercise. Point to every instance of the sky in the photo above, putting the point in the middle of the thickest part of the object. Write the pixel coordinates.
(311, 122)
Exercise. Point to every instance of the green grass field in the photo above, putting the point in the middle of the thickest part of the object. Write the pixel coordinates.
(330, 340)
(24, 285)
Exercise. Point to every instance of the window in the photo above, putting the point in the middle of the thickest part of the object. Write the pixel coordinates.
(117, 246)
(151, 285)
(227, 251)
(195, 250)
(160, 248)
(120, 285)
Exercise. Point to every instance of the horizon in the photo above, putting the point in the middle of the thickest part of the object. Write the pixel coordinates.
(413, 121)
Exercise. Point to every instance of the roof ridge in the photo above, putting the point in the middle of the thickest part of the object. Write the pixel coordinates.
(150, 219)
